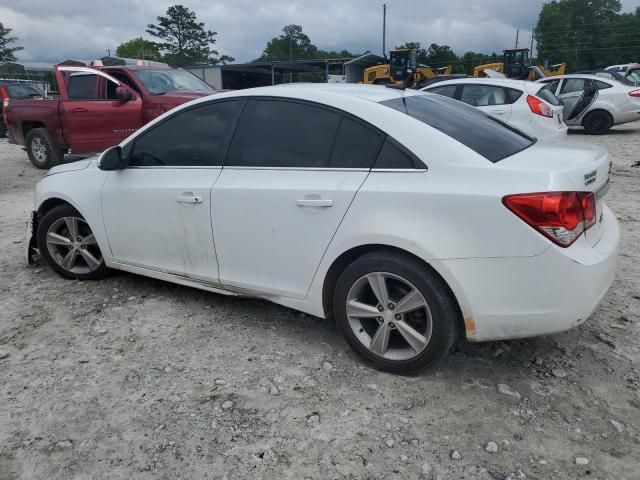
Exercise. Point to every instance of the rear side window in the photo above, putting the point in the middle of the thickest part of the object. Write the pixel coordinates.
(446, 90)
(573, 85)
(603, 85)
(394, 157)
(196, 137)
(480, 132)
(275, 133)
(356, 146)
(488, 95)
(24, 92)
(552, 84)
(548, 96)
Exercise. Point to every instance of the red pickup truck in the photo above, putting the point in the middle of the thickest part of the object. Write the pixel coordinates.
(98, 107)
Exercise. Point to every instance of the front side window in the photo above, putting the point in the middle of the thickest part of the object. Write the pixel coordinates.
(83, 87)
(159, 82)
(277, 133)
(480, 132)
(196, 137)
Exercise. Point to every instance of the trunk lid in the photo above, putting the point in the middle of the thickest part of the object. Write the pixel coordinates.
(572, 167)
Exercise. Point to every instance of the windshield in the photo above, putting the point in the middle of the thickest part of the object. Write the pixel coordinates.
(480, 132)
(159, 82)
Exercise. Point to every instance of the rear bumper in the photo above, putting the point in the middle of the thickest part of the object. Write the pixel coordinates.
(548, 129)
(530, 296)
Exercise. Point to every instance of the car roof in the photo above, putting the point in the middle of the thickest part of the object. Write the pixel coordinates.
(506, 82)
(572, 75)
(374, 93)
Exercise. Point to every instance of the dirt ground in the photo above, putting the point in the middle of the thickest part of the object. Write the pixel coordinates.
(135, 378)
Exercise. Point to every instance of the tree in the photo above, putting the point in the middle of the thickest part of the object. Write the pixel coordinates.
(183, 38)
(139, 48)
(6, 50)
(583, 33)
(292, 44)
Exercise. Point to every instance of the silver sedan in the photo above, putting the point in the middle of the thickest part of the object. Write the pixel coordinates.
(595, 103)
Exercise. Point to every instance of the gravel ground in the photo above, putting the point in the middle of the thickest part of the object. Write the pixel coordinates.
(135, 378)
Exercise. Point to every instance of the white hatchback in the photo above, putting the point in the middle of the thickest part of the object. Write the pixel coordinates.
(524, 105)
(410, 218)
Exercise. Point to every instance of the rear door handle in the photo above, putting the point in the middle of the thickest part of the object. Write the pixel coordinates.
(314, 202)
(188, 198)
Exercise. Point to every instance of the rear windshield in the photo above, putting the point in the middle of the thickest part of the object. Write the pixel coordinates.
(483, 134)
(548, 96)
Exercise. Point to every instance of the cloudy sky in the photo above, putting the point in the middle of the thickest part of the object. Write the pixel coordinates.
(85, 29)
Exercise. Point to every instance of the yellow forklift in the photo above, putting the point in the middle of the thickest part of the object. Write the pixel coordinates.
(401, 60)
(516, 64)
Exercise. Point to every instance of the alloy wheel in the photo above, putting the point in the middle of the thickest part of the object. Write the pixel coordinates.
(39, 150)
(389, 316)
(72, 245)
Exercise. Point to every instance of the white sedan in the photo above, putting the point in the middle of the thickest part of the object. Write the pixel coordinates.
(524, 105)
(409, 218)
(595, 103)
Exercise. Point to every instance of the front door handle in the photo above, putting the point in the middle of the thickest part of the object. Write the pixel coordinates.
(79, 110)
(314, 202)
(499, 112)
(188, 197)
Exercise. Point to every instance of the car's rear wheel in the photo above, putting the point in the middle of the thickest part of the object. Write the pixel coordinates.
(41, 150)
(66, 242)
(395, 312)
(597, 122)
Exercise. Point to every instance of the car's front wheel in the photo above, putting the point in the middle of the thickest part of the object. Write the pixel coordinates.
(395, 312)
(66, 242)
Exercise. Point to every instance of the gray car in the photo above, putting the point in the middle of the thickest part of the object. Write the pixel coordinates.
(594, 102)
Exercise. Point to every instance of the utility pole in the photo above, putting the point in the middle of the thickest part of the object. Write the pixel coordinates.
(290, 57)
(384, 30)
(108, 52)
(517, 37)
(533, 32)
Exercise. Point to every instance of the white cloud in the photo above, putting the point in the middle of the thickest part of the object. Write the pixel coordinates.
(83, 29)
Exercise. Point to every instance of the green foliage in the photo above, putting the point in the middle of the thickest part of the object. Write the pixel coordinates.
(293, 43)
(587, 34)
(183, 39)
(139, 48)
(6, 50)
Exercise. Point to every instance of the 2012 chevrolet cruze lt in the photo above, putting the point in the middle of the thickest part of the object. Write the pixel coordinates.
(410, 218)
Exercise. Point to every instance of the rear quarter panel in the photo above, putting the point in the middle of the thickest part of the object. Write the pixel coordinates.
(22, 113)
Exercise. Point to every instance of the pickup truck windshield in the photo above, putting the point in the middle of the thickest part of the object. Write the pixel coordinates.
(159, 82)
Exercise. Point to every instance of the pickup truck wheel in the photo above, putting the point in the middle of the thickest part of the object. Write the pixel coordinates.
(41, 150)
(3, 129)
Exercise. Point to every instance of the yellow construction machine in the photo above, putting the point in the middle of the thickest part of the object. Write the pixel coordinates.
(400, 61)
(517, 64)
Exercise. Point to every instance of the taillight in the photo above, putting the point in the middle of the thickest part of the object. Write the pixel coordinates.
(539, 107)
(560, 216)
(635, 93)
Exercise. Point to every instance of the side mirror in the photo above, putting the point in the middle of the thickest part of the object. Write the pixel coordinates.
(111, 159)
(124, 94)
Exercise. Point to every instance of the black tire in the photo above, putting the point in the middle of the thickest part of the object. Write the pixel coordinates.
(443, 308)
(44, 224)
(597, 122)
(52, 155)
(3, 129)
